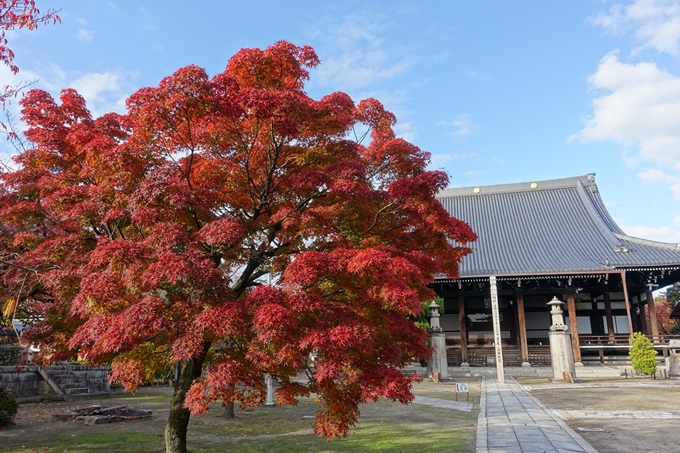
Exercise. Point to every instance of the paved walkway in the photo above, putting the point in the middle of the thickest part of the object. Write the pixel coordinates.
(512, 421)
(656, 415)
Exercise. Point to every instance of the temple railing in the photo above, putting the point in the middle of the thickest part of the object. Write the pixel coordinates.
(620, 341)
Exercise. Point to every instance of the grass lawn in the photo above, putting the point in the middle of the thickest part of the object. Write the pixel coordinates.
(383, 427)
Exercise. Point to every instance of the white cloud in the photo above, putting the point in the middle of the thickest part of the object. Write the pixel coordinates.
(655, 23)
(85, 35)
(654, 175)
(477, 75)
(406, 130)
(93, 84)
(661, 234)
(461, 125)
(103, 91)
(357, 55)
(640, 107)
(443, 160)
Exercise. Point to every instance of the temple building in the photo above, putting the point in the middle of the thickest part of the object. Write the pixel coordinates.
(546, 239)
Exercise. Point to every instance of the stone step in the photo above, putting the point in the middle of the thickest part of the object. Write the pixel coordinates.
(63, 377)
(73, 385)
(78, 390)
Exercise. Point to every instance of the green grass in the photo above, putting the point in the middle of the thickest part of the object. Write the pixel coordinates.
(373, 436)
(96, 442)
(383, 427)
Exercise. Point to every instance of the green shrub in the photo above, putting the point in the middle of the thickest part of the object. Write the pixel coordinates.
(642, 354)
(8, 407)
(9, 355)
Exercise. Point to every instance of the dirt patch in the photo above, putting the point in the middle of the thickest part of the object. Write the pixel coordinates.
(621, 435)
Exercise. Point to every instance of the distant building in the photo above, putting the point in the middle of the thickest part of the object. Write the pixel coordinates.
(543, 239)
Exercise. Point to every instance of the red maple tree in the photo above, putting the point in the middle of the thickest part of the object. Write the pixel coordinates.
(143, 240)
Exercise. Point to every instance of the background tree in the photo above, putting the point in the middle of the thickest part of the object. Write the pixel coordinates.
(18, 14)
(669, 299)
(663, 310)
(141, 240)
(672, 294)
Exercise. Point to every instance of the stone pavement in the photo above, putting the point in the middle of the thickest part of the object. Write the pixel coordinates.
(655, 415)
(512, 421)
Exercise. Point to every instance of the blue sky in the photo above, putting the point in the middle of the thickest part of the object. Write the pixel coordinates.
(497, 91)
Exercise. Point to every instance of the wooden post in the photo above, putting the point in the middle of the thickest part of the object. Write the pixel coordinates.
(576, 345)
(652, 316)
(625, 297)
(522, 328)
(642, 316)
(610, 318)
(462, 326)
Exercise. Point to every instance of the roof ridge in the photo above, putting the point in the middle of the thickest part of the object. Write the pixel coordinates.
(596, 216)
(649, 242)
(587, 180)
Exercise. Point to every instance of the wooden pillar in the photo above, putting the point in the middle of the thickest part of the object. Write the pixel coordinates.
(514, 325)
(642, 316)
(522, 328)
(462, 326)
(610, 318)
(625, 298)
(652, 316)
(576, 345)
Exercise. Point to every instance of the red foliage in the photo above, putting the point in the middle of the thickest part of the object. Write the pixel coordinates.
(143, 239)
(20, 14)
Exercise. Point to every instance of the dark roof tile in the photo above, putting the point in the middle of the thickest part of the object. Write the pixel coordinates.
(559, 226)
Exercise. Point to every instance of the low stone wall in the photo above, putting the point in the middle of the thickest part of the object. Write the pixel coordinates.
(26, 381)
(21, 381)
(97, 379)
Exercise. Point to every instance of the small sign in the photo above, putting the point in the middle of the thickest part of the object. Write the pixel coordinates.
(462, 388)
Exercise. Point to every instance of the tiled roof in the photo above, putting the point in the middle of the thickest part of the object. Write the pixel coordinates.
(558, 226)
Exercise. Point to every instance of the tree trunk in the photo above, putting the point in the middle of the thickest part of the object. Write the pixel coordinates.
(178, 419)
(229, 411)
(229, 408)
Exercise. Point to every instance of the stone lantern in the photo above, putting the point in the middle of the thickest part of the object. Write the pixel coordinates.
(438, 365)
(561, 354)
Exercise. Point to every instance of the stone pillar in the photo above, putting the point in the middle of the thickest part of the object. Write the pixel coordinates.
(500, 371)
(560, 344)
(438, 360)
(270, 390)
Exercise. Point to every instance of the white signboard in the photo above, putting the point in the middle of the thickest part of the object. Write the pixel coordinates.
(496, 329)
(462, 388)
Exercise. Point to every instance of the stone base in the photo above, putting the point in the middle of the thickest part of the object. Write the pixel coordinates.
(526, 364)
(561, 355)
